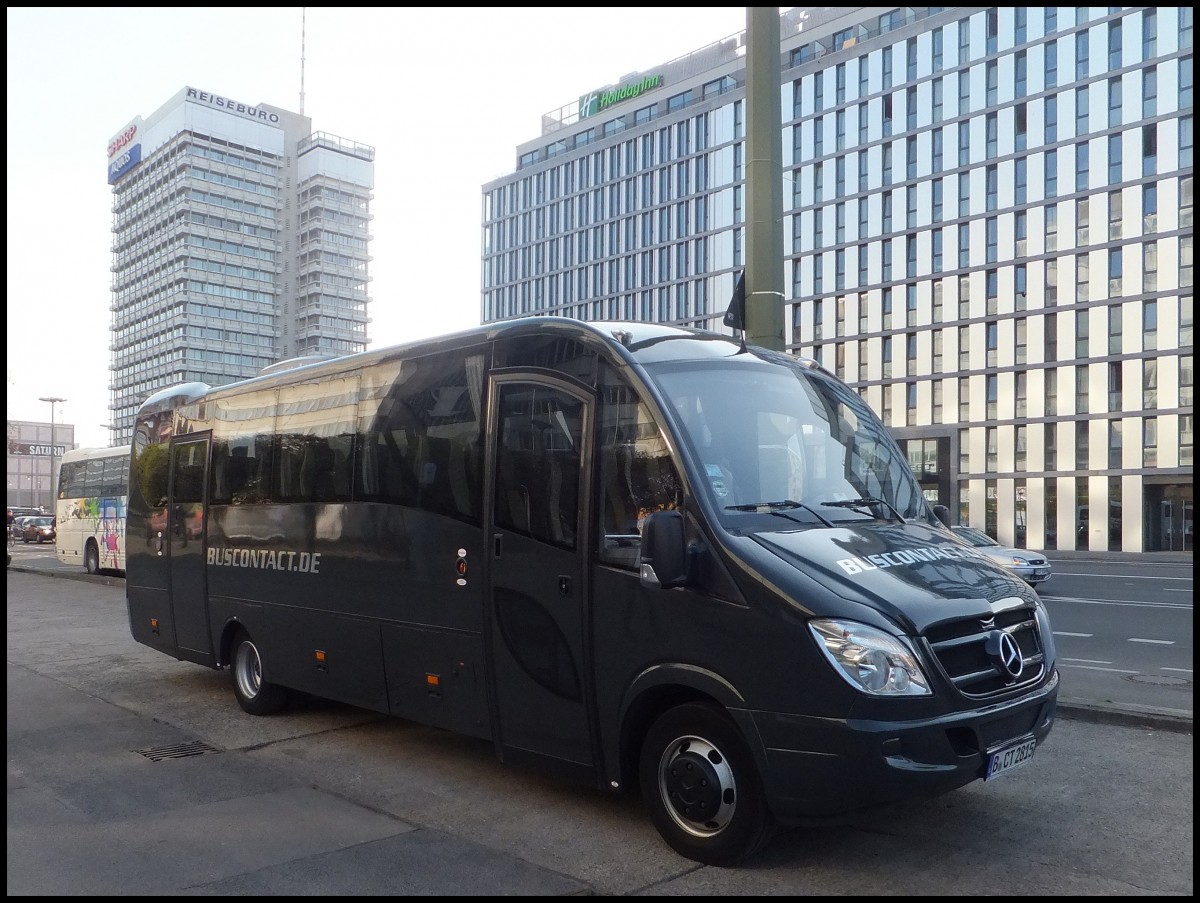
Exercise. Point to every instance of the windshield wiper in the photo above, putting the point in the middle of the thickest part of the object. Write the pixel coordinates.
(771, 508)
(867, 502)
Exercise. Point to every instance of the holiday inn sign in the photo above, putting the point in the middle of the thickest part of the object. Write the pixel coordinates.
(598, 101)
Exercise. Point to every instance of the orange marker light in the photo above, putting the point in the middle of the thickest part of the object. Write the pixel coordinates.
(433, 680)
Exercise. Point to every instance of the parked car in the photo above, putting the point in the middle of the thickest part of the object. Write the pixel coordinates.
(1028, 564)
(38, 529)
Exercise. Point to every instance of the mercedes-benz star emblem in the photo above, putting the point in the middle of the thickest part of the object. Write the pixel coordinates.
(1004, 651)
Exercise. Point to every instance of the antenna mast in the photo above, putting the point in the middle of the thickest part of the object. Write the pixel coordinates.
(302, 11)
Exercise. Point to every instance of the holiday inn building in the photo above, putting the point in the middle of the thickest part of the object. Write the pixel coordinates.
(987, 219)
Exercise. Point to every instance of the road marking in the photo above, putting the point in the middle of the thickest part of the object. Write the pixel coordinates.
(1120, 576)
(1134, 639)
(1068, 633)
(1087, 661)
(1167, 589)
(1180, 670)
(1094, 668)
(1134, 602)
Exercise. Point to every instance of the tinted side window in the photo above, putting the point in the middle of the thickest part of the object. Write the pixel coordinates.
(420, 433)
(242, 448)
(636, 474)
(315, 453)
(538, 459)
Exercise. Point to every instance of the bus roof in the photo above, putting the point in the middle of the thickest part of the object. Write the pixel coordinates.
(82, 454)
(635, 342)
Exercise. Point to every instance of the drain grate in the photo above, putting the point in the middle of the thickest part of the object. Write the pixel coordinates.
(1159, 680)
(177, 751)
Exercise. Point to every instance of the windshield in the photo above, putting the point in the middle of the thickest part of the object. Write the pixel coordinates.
(974, 537)
(778, 436)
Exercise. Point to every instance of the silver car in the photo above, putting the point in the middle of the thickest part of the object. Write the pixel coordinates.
(1031, 566)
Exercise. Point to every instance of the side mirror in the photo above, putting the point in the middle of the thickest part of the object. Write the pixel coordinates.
(664, 558)
(942, 513)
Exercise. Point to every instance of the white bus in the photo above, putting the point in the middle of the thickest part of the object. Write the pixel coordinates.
(93, 487)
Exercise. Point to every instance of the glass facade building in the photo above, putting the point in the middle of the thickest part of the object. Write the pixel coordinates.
(987, 231)
(240, 239)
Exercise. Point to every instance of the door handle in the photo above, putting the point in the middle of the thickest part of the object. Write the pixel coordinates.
(564, 585)
(497, 545)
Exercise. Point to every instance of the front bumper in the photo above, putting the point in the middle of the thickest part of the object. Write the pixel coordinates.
(818, 768)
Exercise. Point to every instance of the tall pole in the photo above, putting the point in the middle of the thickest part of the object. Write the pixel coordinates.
(764, 180)
(53, 476)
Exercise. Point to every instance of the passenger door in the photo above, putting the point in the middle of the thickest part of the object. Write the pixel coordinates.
(186, 531)
(539, 451)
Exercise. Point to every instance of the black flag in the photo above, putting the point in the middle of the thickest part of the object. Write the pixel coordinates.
(735, 316)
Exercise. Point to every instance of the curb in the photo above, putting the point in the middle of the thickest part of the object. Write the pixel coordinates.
(1177, 721)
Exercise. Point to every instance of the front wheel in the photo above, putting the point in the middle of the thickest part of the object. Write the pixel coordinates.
(699, 781)
(255, 695)
(91, 558)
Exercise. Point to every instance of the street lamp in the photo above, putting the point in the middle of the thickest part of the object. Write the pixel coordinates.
(53, 400)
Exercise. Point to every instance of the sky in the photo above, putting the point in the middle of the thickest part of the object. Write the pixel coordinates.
(444, 95)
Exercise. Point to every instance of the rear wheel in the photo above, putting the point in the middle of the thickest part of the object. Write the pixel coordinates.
(255, 695)
(699, 781)
(91, 557)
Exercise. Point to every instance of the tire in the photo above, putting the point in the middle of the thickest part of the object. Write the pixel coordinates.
(255, 695)
(699, 781)
(91, 558)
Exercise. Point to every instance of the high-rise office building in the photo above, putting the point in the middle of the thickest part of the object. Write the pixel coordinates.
(240, 239)
(987, 231)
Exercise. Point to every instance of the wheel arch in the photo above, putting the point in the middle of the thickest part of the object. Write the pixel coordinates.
(665, 686)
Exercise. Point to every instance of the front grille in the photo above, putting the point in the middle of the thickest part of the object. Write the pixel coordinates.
(961, 649)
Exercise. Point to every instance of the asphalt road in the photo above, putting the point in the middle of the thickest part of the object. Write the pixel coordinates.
(132, 773)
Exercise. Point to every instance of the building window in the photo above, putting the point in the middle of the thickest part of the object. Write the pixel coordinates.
(1081, 166)
(964, 348)
(1081, 55)
(992, 343)
(1082, 218)
(1149, 92)
(1114, 44)
(1149, 34)
(1114, 102)
(993, 448)
(964, 144)
(1150, 324)
(1021, 395)
(1114, 159)
(1051, 174)
(1114, 386)
(1081, 389)
(1051, 63)
(1149, 441)
(1149, 150)
(1051, 289)
(1050, 119)
(992, 124)
(1081, 111)
(1051, 398)
(1081, 334)
(1185, 381)
(1149, 384)
(1082, 447)
(1114, 273)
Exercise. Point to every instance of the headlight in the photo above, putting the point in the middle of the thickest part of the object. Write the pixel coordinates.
(870, 660)
(1019, 561)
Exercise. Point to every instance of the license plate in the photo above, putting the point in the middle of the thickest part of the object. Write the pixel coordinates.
(1006, 759)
